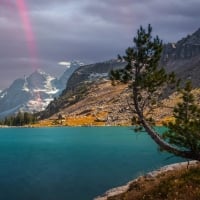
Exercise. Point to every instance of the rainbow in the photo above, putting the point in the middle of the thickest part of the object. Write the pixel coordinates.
(30, 38)
(29, 34)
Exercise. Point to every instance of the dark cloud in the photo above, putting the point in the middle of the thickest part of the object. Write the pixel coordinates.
(89, 30)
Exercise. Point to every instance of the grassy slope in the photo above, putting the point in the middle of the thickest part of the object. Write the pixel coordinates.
(107, 105)
(181, 184)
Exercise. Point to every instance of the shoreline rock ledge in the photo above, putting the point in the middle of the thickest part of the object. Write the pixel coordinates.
(150, 175)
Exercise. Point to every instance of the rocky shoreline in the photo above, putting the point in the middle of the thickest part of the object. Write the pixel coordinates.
(150, 175)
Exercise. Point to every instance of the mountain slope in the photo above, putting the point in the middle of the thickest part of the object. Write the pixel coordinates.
(79, 82)
(92, 72)
(101, 103)
(98, 104)
(183, 58)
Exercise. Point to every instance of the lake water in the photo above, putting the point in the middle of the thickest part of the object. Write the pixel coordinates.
(72, 163)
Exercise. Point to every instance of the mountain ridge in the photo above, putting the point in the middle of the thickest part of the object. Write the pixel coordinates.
(181, 57)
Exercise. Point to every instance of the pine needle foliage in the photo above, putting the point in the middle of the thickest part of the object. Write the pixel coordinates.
(184, 132)
(149, 82)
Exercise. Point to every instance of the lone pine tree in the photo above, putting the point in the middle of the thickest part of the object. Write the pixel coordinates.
(148, 83)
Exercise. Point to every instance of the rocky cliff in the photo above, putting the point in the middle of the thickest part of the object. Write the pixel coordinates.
(92, 72)
(183, 58)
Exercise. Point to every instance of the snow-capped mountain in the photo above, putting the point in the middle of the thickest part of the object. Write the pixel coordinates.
(30, 94)
(33, 93)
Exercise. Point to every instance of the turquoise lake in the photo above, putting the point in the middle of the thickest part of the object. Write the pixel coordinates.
(73, 163)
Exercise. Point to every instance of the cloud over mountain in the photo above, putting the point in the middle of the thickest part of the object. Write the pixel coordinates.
(88, 30)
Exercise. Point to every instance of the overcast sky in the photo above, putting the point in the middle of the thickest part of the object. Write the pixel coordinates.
(41, 33)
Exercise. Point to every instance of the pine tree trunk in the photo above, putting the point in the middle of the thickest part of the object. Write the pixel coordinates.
(156, 137)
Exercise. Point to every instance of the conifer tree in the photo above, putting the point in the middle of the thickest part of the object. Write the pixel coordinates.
(149, 82)
(19, 119)
(184, 132)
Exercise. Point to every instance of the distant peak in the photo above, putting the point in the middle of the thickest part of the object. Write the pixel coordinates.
(39, 71)
(197, 32)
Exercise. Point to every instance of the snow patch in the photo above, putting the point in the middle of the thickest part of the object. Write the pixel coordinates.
(173, 45)
(25, 86)
(40, 71)
(3, 94)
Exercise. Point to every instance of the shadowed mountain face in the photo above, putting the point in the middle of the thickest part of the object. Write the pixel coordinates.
(183, 58)
(89, 73)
